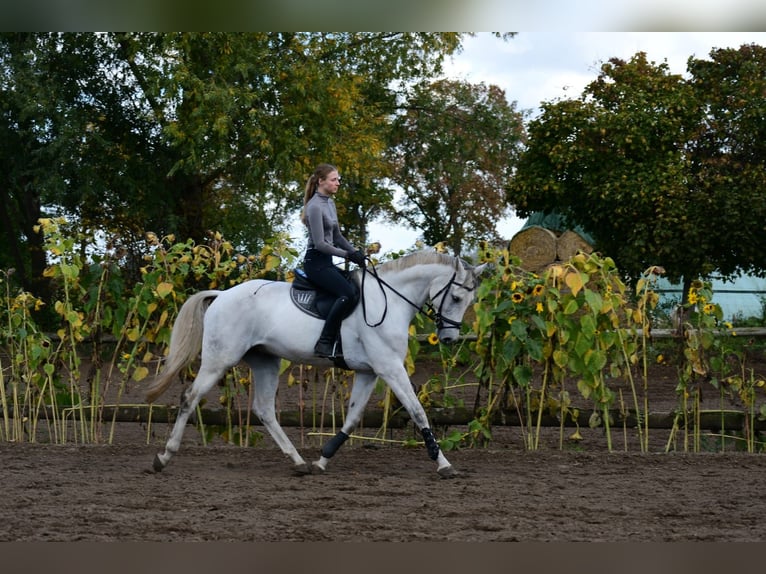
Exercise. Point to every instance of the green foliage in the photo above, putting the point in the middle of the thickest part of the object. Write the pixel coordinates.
(728, 157)
(712, 356)
(659, 169)
(120, 331)
(182, 133)
(28, 380)
(536, 332)
(549, 345)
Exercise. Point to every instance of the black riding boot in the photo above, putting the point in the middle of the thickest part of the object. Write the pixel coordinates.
(326, 345)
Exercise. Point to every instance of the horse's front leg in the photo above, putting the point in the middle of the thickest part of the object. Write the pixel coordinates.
(361, 391)
(402, 387)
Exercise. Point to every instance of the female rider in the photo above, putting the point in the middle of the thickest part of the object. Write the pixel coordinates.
(325, 241)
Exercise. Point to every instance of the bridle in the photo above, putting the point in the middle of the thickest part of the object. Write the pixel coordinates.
(436, 314)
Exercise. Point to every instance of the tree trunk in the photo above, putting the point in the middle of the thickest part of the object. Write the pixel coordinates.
(19, 213)
(191, 210)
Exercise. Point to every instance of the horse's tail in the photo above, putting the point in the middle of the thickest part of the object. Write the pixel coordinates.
(185, 341)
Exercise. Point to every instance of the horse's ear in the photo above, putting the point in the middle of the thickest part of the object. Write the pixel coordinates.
(478, 270)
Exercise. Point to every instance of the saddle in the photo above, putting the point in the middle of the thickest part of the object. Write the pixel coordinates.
(315, 301)
(311, 298)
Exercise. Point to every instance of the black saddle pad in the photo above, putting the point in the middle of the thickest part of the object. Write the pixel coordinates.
(308, 298)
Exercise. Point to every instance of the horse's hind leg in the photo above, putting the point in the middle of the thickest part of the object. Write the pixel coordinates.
(265, 383)
(205, 380)
(364, 383)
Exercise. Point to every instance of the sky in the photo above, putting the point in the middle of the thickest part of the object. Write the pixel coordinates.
(542, 66)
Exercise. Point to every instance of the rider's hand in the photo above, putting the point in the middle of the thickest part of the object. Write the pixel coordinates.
(358, 258)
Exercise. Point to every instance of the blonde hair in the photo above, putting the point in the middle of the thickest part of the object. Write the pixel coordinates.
(320, 172)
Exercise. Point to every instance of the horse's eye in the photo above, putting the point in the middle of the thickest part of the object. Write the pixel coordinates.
(456, 299)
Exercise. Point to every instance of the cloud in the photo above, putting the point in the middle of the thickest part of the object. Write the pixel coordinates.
(693, 15)
(541, 66)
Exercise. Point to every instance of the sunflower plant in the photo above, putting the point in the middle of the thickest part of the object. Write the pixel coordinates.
(576, 322)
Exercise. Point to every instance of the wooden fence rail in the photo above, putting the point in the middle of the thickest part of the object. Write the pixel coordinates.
(715, 420)
(656, 334)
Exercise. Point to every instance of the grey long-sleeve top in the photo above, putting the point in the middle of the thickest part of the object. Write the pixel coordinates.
(324, 231)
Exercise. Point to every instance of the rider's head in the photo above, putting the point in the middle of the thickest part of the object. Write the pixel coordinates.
(321, 172)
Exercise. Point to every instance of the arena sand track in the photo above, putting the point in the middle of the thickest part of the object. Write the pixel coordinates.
(387, 493)
(392, 494)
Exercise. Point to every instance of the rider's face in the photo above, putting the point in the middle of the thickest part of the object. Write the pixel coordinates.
(330, 184)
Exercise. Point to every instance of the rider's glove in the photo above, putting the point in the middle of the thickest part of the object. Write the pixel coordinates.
(358, 258)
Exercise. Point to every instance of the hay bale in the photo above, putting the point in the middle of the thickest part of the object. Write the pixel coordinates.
(569, 244)
(535, 246)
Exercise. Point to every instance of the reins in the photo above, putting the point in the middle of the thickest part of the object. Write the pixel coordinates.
(431, 312)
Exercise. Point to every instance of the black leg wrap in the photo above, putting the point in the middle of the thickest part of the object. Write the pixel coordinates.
(332, 445)
(432, 446)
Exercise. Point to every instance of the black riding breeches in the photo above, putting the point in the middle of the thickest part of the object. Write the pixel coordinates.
(321, 271)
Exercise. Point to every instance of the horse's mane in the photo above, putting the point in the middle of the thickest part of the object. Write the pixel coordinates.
(417, 258)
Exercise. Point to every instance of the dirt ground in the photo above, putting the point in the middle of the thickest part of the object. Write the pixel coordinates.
(375, 492)
(104, 493)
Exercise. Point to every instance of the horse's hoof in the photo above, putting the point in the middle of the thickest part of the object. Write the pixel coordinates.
(157, 465)
(317, 468)
(447, 472)
(301, 469)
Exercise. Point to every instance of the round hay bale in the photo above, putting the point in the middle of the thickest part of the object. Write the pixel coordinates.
(535, 246)
(569, 244)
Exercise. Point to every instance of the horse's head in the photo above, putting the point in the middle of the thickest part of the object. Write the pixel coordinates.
(451, 298)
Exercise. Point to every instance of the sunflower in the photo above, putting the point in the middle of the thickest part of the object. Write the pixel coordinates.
(433, 339)
(693, 298)
(538, 290)
(517, 297)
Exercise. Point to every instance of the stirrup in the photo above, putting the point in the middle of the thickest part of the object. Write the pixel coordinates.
(328, 349)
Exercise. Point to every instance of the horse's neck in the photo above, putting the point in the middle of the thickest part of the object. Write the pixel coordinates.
(414, 282)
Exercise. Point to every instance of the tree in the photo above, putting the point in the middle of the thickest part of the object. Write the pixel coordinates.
(245, 117)
(188, 132)
(641, 162)
(454, 148)
(30, 121)
(729, 156)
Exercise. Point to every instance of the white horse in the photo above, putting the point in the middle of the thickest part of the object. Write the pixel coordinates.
(257, 322)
